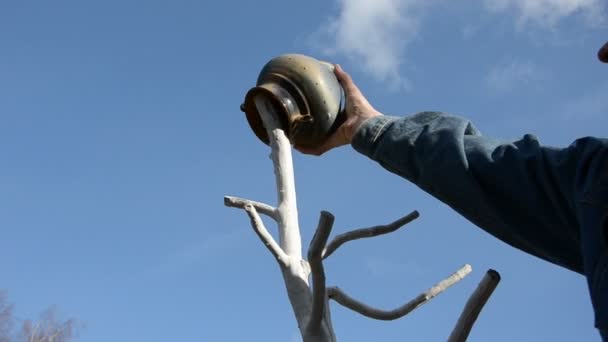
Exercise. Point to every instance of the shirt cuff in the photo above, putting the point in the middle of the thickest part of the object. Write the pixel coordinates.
(368, 133)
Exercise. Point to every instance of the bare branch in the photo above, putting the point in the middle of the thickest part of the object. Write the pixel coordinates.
(327, 318)
(368, 232)
(315, 260)
(474, 305)
(262, 208)
(365, 310)
(287, 211)
(264, 235)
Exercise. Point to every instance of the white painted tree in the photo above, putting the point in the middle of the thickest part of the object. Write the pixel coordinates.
(310, 302)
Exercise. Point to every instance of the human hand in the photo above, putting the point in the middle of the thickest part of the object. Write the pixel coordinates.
(357, 110)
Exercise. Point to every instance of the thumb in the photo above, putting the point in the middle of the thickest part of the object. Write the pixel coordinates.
(346, 81)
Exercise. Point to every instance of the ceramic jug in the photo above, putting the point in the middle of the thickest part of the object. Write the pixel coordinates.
(306, 95)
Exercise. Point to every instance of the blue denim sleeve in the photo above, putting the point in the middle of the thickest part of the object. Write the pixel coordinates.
(513, 190)
(549, 202)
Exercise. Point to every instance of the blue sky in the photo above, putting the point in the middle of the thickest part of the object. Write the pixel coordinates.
(121, 132)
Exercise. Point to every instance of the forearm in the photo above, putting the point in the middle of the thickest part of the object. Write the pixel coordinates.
(518, 191)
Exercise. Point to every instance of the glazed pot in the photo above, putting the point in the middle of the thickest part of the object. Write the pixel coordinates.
(306, 95)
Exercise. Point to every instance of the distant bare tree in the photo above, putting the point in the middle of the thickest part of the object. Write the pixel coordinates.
(47, 328)
(6, 318)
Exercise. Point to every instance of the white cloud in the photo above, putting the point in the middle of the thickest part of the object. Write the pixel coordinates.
(373, 34)
(511, 75)
(549, 12)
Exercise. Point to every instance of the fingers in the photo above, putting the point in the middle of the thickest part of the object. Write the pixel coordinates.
(316, 151)
(340, 137)
(335, 140)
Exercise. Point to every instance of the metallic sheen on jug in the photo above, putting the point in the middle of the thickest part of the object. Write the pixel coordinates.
(305, 93)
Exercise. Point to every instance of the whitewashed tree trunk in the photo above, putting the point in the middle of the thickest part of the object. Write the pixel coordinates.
(310, 303)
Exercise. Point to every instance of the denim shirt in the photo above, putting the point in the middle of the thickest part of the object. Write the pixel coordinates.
(549, 202)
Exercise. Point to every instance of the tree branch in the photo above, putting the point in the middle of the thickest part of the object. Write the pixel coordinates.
(262, 208)
(327, 318)
(368, 232)
(315, 260)
(387, 315)
(267, 239)
(474, 305)
(287, 212)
